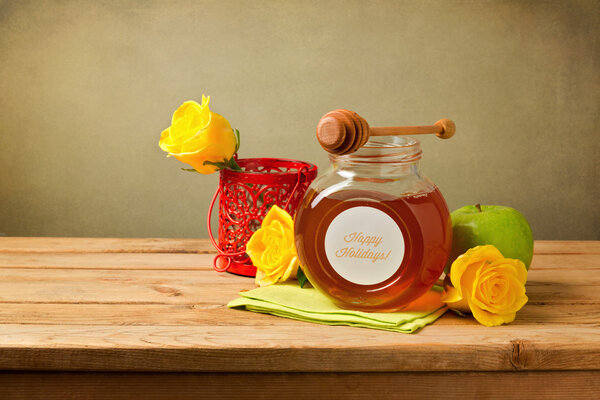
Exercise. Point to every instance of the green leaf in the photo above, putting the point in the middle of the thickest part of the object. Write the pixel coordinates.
(233, 164)
(189, 170)
(437, 288)
(220, 165)
(302, 279)
(460, 314)
(237, 140)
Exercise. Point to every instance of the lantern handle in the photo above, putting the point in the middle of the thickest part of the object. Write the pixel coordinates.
(214, 242)
(300, 171)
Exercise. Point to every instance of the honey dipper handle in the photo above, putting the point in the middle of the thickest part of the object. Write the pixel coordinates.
(444, 129)
(404, 130)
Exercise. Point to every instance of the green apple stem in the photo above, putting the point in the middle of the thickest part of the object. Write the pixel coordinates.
(478, 207)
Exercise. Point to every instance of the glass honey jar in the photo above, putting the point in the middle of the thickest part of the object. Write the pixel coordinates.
(373, 233)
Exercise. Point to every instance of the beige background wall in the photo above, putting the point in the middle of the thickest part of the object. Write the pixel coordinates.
(87, 86)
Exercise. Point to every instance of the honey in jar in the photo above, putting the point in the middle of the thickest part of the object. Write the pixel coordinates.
(373, 233)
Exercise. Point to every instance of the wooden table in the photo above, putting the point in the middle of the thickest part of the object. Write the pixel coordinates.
(147, 318)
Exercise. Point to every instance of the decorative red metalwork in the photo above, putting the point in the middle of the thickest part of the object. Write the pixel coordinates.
(246, 197)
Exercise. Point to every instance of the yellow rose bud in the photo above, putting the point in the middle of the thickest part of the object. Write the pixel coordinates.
(486, 284)
(272, 249)
(197, 135)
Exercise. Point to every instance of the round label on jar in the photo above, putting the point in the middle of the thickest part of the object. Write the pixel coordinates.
(364, 245)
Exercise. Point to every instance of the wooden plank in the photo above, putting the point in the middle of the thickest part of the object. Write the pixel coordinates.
(280, 385)
(564, 276)
(103, 245)
(166, 245)
(133, 314)
(562, 294)
(565, 261)
(214, 312)
(204, 261)
(120, 261)
(297, 348)
(188, 287)
(566, 247)
(535, 314)
(119, 286)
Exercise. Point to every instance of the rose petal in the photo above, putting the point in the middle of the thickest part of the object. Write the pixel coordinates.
(485, 317)
(255, 246)
(278, 214)
(454, 301)
(291, 269)
(180, 112)
(266, 280)
(165, 141)
(479, 255)
(451, 295)
(212, 152)
(482, 292)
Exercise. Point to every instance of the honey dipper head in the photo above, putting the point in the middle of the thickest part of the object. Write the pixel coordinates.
(448, 128)
(342, 131)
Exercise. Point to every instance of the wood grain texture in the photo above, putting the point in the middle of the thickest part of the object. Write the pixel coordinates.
(213, 311)
(119, 286)
(120, 261)
(167, 286)
(160, 245)
(295, 346)
(280, 385)
(565, 261)
(203, 261)
(566, 247)
(121, 305)
(103, 245)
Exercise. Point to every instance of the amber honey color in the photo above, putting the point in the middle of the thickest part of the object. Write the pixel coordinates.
(372, 251)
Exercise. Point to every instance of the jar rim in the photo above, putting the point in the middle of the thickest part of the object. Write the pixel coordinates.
(384, 149)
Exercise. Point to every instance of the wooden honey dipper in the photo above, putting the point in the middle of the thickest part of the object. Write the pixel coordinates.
(344, 132)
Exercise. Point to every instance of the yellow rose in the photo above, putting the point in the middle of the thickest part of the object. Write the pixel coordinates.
(199, 137)
(272, 249)
(486, 284)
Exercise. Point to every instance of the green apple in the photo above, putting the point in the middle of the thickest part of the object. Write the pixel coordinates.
(504, 227)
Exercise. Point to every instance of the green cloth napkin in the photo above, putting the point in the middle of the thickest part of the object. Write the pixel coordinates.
(291, 301)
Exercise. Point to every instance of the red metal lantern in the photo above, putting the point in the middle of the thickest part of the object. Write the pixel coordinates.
(246, 197)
